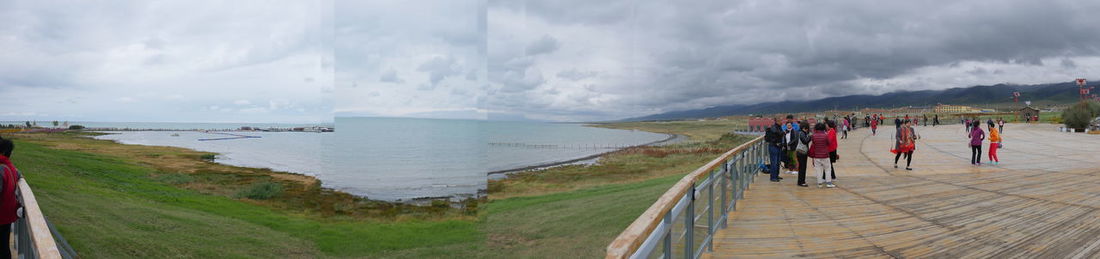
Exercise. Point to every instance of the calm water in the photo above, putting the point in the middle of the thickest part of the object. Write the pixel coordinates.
(401, 159)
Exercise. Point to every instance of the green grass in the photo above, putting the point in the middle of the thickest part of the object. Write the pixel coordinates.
(108, 207)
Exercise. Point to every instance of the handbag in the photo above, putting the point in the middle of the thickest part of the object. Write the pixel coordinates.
(1000, 145)
(802, 148)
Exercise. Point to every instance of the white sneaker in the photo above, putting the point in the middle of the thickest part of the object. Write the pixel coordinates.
(830, 185)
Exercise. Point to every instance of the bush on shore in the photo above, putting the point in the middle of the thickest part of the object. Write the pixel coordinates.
(1079, 115)
(261, 191)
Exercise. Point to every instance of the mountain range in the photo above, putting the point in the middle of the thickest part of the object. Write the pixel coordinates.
(981, 95)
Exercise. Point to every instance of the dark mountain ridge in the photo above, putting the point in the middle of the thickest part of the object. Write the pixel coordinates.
(981, 95)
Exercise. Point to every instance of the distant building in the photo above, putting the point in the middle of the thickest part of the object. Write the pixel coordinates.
(1027, 113)
(947, 108)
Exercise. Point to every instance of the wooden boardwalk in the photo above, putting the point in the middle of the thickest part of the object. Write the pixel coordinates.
(1042, 201)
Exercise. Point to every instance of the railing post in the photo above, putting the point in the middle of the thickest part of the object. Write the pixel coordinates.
(726, 175)
(689, 225)
(710, 213)
(668, 236)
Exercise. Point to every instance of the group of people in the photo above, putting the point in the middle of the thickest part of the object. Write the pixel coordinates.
(977, 136)
(793, 143)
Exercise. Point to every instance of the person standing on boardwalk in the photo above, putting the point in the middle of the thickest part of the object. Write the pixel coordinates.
(905, 144)
(844, 127)
(967, 125)
(1000, 125)
(819, 151)
(9, 204)
(976, 138)
(925, 120)
(790, 143)
(935, 120)
(874, 126)
(994, 144)
(774, 137)
(833, 156)
(802, 151)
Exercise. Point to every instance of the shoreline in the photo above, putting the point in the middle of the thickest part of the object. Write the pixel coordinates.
(669, 137)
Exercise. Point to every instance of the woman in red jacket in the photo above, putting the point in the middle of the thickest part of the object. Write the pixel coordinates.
(819, 151)
(8, 203)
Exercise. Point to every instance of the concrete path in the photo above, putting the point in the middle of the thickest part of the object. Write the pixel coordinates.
(1041, 201)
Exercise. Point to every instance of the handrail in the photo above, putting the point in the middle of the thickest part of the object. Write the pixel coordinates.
(733, 170)
(33, 237)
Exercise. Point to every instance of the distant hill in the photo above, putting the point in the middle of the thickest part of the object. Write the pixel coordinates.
(982, 95)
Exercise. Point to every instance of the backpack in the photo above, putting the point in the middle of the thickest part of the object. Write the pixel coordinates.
(802, 148)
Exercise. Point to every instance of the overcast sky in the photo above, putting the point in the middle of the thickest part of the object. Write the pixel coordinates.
(563, 60)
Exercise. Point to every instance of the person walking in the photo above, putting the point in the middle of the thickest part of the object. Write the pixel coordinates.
(874, 127)
(935, 120)
(833, 156)
(994, 144)
(9, 204)
(1000, 125)
(819, 151)
(976, 138)
(905, 144)
(967, 125)
(802, 151)
(845, 124)
(774, 137)
(925, 120)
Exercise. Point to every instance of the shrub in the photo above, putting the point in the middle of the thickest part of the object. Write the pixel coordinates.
(261, 191)
(1079, 115)
(175, 178)
(208, 157)
(76, 127)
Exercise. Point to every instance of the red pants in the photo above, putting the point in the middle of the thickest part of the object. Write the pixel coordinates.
(993, 152)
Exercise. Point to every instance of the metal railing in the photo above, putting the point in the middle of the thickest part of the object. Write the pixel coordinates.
(682, 222)
(34, 235)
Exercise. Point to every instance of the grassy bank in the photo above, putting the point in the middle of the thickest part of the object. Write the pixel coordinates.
(575, 211)
(120, 205)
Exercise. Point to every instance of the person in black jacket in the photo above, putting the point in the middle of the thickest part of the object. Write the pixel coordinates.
(801, 154)
(774, 137)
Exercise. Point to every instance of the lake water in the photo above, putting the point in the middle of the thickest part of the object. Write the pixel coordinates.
(398, 159)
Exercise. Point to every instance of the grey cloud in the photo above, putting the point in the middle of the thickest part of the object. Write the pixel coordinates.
(390, 76)
(543, 45)
(576, 75)
(439, 68)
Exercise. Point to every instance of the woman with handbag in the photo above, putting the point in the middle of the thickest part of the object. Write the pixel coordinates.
(905, 144)
(994, 143)
(802, 151)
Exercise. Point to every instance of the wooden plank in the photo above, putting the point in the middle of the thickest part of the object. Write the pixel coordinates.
(40, 232)
(1041, 202)
(630, 239)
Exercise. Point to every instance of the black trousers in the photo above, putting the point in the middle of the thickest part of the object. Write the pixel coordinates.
(6, 230)
(801, 168)
(976, 154)
(908, 158)
(832, 160)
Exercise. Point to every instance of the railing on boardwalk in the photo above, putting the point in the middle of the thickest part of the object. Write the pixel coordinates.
(34, 235)
(682, 222)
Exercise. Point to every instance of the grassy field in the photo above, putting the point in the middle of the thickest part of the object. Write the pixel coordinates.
(575, 211)
(111, 200)
(111, 206)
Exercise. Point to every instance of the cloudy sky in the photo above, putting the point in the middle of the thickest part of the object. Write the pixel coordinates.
(188, 61)
(564, 60)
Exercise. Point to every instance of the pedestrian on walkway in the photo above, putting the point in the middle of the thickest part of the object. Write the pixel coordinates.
(905, 144)
(845, 125)
(935, 120)
(9, 204)
(976, 138)
(874, 127)
(774, 137)
(994, 144)
(790, 143)
(819, 151)
(1001, 125)
(802, 151)
(833, 156)
(967, 125)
